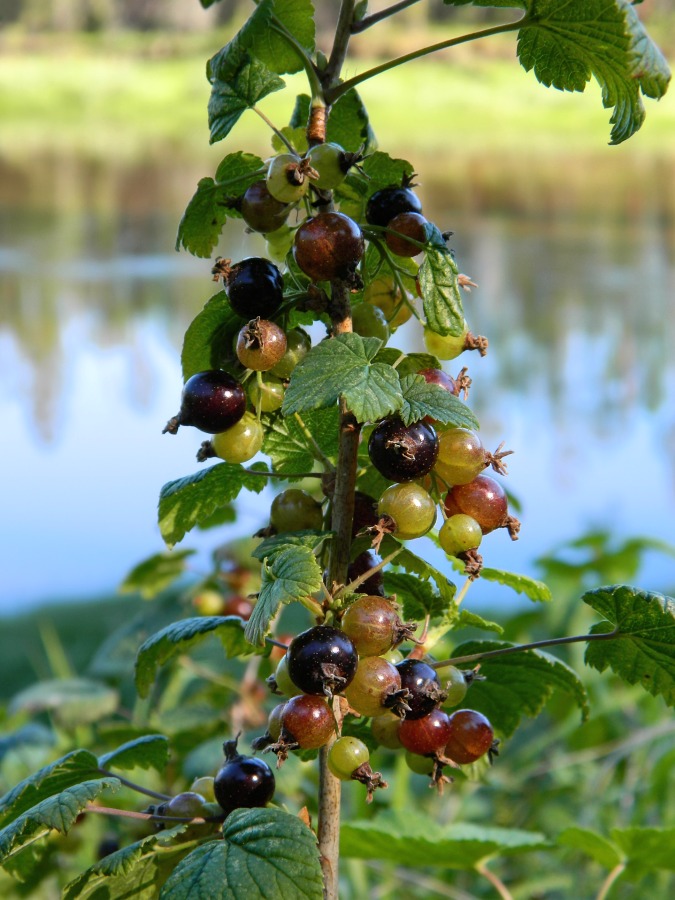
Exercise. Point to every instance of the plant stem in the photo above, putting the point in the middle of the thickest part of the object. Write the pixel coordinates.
(551, 642)
(285, 474)
(496, 882)
(318, 452)
(334, 93)
(338, 54)
(357, 582)
(136, 787)
(609, 881)
(282, 137)
(373, 19)
(308, 65)
(463, 591)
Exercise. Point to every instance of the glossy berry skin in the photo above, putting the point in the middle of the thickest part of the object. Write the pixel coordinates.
(283, 680)
(441, 378)
(261, 344)
(445, 346)
(403, 226)
(403, 452)
(212, 401)
(369, 321)
(372, 623)
(460, 533)
(427, 735)
(241, 442)
(374, 681)
(471, 736)
(204, 785)
(346, 755)
(269, 393)
(461, 456)
(362, 564)
(244, 781)
(331, 162)
(385, 730)
(298, 345)
(189, 804)
(308, 720)
(285, 180)
(388, 202)
(274, 721)
(328, 246)
(261, 211)
(255, 287)
(318, 655)
(484, 499)
(411, 507)
(295, 510)
(456, 686)
(422, 682)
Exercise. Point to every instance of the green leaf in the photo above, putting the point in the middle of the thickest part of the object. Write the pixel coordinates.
(421, 399)
(645, 651)
(422, 842)
(348, 124)
(519, 684)
(179, 637)
(71, 769)
(591, 844)
(265, 853)
(293, 575)
(521, 584)
(212, 203)
(288, 447)
(155, 573)
(188, 501)
(417, 597)
(56, 813)
(238, 82)
(271, 547)
(646, 849)
(437, 279)
(564, 44)
(297, 16)
(467, 619)
(148, 752)
(343, 367)
(411, 364)
(208, 342)
(72, 701)
(134, 871)
(381, 171)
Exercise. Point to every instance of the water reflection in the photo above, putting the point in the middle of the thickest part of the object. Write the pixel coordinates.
(575, 294)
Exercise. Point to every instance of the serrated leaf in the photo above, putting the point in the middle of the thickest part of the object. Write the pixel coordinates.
(645, 651)
(468, 619)
(591, 844)
(646, 849)
(188, 501)
(417, 597)
(73, 701)
(211, 204)
(55, 813)
(155, 573)
(519, 684)
(271, 547)
(238, 82)
(133, 871)
(343, 367)
(179, 637)
(438, 284)
(422, 842)
(422, 399)
(286, 443)
(293, 575)
(32, 734)
(73, 768)
(209, 340)
(148, 752)
(521, 584)
(297, 17)
(265, 853)
(349, 126)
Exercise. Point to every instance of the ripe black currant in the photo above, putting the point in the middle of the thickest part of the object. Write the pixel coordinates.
(322, 660)
(243, 781)
(388, 202)
(212, 401)
(254, 287)
(424, 686)
(403, 452)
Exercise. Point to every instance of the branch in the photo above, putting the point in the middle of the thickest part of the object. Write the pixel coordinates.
(373, 19)
(496, 882)
(134, 786)
(338, 54)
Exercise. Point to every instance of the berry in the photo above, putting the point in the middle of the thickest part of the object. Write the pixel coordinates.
(388, 202)
(426, 736)
(365, 512)
(282, 680)
(420, 765)
(307, 721)
(322, 660)
(422, 682)
(189, 804)
(286, 178)
(402, 452)
(238, 606)
(328, 246)
(455, 687)
(295, 510)
(274, 721)
(204, 786)
(260, 345)
(484, 499)
(298, 345)
(254, 287)
(411, 507)
(458, 534)
(461, 456)
(209, 603)
(385, 729)
(261, 211)
(241, 442)
(384, 293)
(243, 781)
(408, 231)
(269, 392)
(370, 321)
(373, 625)
(331, 163)
(471, 736)
(441, 378)
(279, 243)
(346, 755)
(363, 563)
(375, 683)
(211, 401)
(445, 346)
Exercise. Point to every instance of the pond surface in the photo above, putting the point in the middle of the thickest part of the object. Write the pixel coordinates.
(575, 295)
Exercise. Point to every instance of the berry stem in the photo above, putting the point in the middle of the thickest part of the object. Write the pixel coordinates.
(609, 881)
(496, 882)
(282, 137)
(318, 452)
(368, 21)
(357, 582)
(551, 642)
(463, 590)
(135, 787)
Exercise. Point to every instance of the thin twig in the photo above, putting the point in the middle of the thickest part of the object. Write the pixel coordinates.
(135, 787)
(609, 881)
(282, 137)
(496, 882)
(374, 18)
